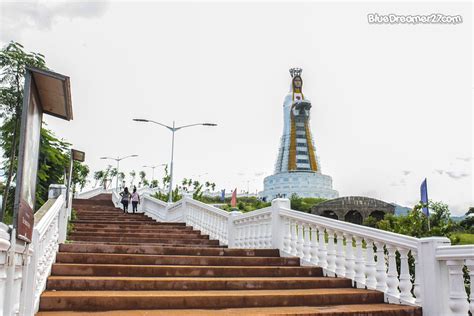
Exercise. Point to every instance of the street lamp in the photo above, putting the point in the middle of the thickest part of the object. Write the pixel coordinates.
(173, 129)
(118, 159)
(153, 170)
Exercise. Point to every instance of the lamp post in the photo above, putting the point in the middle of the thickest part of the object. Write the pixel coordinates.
(118, 159)
(173, 129)
(153, 170)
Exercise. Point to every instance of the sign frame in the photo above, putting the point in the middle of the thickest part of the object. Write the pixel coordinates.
(45, 92)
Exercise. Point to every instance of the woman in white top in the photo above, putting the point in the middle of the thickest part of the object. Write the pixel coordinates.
(135, 200)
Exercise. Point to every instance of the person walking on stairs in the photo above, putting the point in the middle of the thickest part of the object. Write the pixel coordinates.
(135, 200)
(125, 194)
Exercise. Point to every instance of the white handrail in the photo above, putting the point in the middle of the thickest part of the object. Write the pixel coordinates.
(425, 272)
(24, 268)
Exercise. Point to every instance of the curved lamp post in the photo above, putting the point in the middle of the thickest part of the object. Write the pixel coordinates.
(118, 159)
(173, 129)
(153, 170)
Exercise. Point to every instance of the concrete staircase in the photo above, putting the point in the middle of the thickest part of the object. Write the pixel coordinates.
(128, 264)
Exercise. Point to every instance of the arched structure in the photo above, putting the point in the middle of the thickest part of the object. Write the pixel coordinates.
(354, 209)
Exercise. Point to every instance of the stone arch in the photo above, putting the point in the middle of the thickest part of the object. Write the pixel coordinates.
(330, 214)
(378, 215)
(354, 216)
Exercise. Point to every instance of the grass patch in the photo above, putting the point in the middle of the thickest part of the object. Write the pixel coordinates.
(465, 238)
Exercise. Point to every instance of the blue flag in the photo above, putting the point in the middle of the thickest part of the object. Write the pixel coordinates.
(424, 197)
(223, 195)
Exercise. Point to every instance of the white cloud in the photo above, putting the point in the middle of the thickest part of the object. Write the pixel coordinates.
(42, 15)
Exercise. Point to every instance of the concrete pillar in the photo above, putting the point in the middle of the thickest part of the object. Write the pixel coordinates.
(278, 228)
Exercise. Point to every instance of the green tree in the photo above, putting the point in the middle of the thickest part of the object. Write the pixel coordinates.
(468, 223)
(80, 172)
(142, 176)
(133, 174)
(13, 61)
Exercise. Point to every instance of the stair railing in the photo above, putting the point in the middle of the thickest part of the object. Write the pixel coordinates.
(24, 268)
(424, 272)
(90, 193)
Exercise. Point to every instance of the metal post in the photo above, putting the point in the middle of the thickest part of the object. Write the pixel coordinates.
(117, 175)
(170, 199)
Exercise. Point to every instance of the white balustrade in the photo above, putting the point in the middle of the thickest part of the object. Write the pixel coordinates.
(454, 259)
(367, 256)
(24, 268)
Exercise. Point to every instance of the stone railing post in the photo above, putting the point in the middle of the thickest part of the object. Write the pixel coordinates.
(54, 191)
(231, 229)
(434, 281)
(278, 229)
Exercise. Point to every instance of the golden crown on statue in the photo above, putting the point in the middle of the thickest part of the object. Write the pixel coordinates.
(295, 72)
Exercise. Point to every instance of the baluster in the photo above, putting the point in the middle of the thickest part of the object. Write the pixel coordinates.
(458, 303)
(300, 240)
(294, 237)
(314, 245)
(262, 232)
(370, 269)
(331, 253)
(237, 234)
(349, 263)
(405, 282)
(417, 284)
(340, 258)
(258, 232)
(220, 228)
(241, 234)
(287, 237)
(246, 233)
(470, 267)
(306, 242)
(322, 252)
(252, 233)
(359, 263)
(212, 224)
(268, 233)
(205, 223)
(381, 274)
(392, 276)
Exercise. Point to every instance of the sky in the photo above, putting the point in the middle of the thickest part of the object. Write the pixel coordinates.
(392, 103)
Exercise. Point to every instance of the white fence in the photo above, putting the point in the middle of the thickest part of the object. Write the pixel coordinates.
(424, 272)
(24, 268)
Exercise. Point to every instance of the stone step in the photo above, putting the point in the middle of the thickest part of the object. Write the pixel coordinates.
(138, 234)
(158, 230)
(327, 310)
(164, 240)
(182, 271)
(101, 258)
(166, 250)
(81, 283)
(111, 215)
(123, 300)
(91, 202)
(108, 223)
(180, 245)
(130, 226)
(110, 232)
(115, 219)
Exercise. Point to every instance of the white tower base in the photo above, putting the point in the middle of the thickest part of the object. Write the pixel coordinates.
(304, 184)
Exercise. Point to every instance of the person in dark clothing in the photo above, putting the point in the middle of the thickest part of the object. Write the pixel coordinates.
(125, 199)
(135, 200)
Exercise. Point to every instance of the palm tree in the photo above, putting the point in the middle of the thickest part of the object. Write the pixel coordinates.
(113, 173)
(132, 174)
(98, 175)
